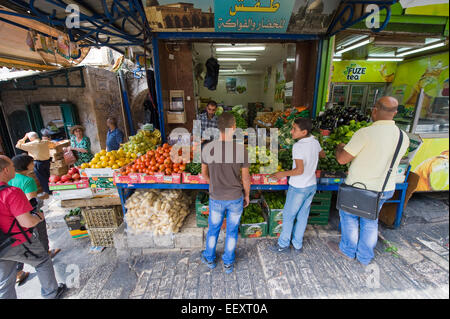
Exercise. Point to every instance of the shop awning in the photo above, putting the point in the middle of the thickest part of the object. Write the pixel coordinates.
(31, 45)
(117, 24)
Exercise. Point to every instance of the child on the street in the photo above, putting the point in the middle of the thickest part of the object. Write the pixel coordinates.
(302, 186)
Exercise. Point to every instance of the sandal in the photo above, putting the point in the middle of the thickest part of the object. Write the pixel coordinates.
(22, 276)
(54, 252)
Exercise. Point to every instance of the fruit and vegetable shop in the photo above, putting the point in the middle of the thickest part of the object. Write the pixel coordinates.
(156, 66)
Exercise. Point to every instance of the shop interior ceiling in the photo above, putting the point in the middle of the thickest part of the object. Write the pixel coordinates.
(112, 23)
(272, 54)
(384, 44)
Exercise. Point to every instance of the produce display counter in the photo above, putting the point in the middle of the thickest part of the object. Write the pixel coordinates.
(125, 190)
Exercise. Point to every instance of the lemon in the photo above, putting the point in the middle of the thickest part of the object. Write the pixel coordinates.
(115, 166)
(439, 179)
(102, 152)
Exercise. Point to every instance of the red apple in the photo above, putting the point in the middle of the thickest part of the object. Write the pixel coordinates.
(73, 170)
(76, 177)
(54, 179)
(66, 178)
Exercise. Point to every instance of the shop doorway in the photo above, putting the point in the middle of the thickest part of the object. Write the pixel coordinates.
(259, 76)
(52, 119)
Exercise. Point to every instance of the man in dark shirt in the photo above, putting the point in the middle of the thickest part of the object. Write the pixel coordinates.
(225, 166)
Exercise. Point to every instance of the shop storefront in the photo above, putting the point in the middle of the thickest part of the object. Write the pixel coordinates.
(275, 65)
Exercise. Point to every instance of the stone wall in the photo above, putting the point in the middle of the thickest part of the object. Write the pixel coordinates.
(99, 99)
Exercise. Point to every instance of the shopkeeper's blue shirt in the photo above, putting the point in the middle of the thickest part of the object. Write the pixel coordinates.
(113, 140)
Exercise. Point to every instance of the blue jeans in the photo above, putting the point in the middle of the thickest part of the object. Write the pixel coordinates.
(359, 235)
(298, 204)
(218, 209)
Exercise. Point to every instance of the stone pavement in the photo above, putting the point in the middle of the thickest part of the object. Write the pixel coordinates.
(419, 268)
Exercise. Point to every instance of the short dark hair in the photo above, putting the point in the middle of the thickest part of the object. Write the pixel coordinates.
(113, 120)
(304, 124)
(21, 162)
(213, 103)
(3, 163)
(226, 120)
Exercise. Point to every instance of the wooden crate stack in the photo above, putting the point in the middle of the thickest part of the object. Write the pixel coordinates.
(57, 165)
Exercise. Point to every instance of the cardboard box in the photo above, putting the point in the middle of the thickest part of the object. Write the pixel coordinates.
(105, 192)
(188, 178)
(74, 194)
(258, 229)
(58, 146)
(101, 182)
(133, 178)
(77, 226)
(264, 179)
(84, 183)
(58, 163)
(98, 172)
(160, 178)
(59, 171)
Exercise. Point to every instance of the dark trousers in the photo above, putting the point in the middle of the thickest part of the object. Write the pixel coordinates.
(42, 171)
(41, 229)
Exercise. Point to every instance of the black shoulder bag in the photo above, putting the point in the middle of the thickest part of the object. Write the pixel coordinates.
(363, 202)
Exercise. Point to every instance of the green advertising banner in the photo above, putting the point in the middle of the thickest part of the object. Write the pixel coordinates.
(363, 71)
(431, 164)
(429, 73)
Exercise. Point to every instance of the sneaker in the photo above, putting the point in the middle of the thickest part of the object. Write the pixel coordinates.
(210, 264)
(228, 268)
(278, 249)
(62, 288)
(299, 251)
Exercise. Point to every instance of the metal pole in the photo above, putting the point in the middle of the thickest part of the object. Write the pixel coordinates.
(158, 88)
(126, 103)
(417, 111)
(318, 75)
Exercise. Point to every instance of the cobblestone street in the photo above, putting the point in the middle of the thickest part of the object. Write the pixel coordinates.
(421, 269)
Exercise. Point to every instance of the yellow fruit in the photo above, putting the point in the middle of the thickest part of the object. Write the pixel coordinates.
(115, 166)
(133, 155)
(84, 165)
(111, 163)
(102, 152)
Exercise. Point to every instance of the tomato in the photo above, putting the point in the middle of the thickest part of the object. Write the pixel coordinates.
(153, 162)
(176, 165)
(162, 167)
(168, 171)
(182, 167)
(161, 160)
(147, 163)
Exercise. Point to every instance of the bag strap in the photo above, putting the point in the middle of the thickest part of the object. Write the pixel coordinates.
(22, 231)
(397, 150)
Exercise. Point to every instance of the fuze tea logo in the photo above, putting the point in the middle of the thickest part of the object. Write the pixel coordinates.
(354, 72)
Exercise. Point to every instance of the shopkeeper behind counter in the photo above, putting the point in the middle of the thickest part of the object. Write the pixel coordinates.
(208, 119)
(114, 137)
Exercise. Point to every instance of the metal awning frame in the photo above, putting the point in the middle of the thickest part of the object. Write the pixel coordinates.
(102, 27)
(347, 18)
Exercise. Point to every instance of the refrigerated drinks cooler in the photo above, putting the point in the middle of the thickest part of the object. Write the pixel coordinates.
(361, 95)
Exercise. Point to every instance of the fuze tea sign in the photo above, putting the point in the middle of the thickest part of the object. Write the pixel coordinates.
(354, 72)
(363, 71)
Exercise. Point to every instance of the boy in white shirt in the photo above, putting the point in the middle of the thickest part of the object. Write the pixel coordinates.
(302, 186)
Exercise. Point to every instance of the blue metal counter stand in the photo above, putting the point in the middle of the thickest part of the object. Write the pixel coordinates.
(126, 190)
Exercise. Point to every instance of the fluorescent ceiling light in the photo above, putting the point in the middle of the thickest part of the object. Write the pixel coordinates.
(237, 59)
(434, 46)
(234, 49)
(354, 46)
(290, 59)
(337, 59)
(393, 59)
(351, 41)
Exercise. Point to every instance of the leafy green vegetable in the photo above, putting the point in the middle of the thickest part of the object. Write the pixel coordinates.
(194, 168)
(252, 214)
